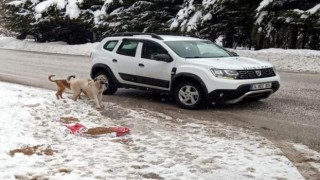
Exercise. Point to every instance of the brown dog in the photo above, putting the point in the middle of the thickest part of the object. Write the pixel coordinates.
(62, 84)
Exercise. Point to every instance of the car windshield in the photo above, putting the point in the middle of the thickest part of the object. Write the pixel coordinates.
(197, 49)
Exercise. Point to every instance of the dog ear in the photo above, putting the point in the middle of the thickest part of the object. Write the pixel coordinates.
(95, 79)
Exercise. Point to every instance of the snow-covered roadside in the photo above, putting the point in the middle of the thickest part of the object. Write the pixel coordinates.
(51, 47)
(286, 60)
(160, 146)
(296, 60)
(311, 156)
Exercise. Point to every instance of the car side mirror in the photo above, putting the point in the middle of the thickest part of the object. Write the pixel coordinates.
(234, 53)
(163, 57)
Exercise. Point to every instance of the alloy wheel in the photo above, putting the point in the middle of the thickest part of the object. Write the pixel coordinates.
(188, 95)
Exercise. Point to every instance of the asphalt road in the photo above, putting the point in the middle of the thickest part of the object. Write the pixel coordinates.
(291, 114)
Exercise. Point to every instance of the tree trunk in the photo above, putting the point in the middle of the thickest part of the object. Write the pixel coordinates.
(293, 39)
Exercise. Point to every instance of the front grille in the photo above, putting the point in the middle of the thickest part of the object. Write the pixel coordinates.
(257, 73)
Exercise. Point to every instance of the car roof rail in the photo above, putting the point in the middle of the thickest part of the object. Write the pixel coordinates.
(179, 34)
(153, 35)
(192, 35)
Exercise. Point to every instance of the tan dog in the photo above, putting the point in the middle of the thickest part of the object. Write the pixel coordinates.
(93, 88)
(62, 84)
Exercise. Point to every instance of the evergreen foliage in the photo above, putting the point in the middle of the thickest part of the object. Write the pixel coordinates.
(288, 24)
(230, 19)
(141, 16)
(245, 23)
(18, 18)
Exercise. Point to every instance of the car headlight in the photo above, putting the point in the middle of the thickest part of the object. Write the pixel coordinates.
(225, 73)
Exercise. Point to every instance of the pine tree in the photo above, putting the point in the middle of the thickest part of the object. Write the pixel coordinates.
(51, 21)
(72, 23)
(18, 17)
(210, 19)
(140, 16)
(2, 14)
(287, 24)
(234, 21)
(187, 19)
(262, 23)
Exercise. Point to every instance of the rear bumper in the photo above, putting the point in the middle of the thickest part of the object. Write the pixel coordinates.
(242, 92)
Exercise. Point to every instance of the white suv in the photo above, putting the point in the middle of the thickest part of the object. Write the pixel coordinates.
(193, 70)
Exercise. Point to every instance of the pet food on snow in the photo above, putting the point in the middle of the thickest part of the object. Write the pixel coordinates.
(79, 129)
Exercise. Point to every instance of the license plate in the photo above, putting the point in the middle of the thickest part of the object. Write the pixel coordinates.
(261, 86)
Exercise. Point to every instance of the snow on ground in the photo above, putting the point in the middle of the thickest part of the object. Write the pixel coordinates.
(312, 157)
(286, 60)
(296, 60)
(160, 146)
(51, 47)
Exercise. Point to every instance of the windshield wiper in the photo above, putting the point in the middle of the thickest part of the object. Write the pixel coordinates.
(221, 56)
(193, 57)
(207, 57)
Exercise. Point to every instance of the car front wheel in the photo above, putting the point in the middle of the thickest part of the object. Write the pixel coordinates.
(189, 95)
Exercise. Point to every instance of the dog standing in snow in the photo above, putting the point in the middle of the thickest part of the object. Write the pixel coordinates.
(93, 88)
(62, 84)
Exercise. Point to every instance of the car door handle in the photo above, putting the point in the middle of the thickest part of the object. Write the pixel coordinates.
(141, 65)
(114, 60)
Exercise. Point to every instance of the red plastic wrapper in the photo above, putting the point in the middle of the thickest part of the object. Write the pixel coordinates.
(76, 129)
(120, 131)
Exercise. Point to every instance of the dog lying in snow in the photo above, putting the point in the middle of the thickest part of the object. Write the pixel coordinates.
(93, 88)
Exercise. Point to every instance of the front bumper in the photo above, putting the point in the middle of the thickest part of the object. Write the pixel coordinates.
(242, 92)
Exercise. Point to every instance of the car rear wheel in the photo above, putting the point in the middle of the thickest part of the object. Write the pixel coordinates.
(189, 95)
(111, 87)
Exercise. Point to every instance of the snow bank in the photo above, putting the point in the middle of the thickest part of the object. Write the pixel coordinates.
(159, 146)
(295, 60)
(51, 47)
(310, 156)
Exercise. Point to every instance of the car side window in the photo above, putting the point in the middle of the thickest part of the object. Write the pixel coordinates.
(110, 45)
(128, 48)
(150, 49)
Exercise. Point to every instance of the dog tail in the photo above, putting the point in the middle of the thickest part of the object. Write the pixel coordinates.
(72, 76)
(51, 79)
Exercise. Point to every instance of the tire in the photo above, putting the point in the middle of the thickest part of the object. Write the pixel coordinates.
(189, 95)
(111, 87)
